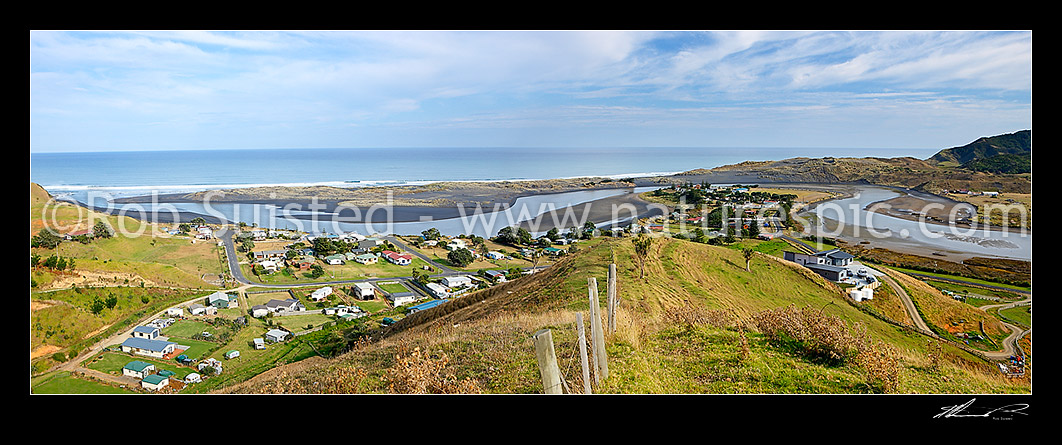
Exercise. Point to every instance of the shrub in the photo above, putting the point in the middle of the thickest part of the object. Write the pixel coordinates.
(416, 372)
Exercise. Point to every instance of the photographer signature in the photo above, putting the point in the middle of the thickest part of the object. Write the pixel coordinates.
(959, 411)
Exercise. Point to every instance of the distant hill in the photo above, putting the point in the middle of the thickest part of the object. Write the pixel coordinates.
(1019, 143)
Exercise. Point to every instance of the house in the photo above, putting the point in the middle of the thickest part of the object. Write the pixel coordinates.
(553, 251)
(148, 332)
(288, 305)
(232, 354)
(175, 312)
(151, 348)
(193, 378)
(400, 298)
(306, 252)
(336, 259)
(198, 309)
(401, 259)
(321, 294)
(154, 382)
(259, 310)
(350, 256)
(369, 243)
(342, 310)
(259, 343)
(460, 280)
(438, 290)
(269, 255)
(71, 235)
(364, 291)
(833, 257)
(495, 275)
(138, 369)
(222, 300)
(366, 258)
(426, 306)
(276, 335)
(832, 273)
(495, 255)
(269, 265)
(456, 243)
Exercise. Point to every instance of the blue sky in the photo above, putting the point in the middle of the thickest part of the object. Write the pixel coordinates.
(153, 90)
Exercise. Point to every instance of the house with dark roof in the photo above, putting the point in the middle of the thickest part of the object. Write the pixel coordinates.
(287, 305)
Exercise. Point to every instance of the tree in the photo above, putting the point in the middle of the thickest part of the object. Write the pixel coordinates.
(507, 235)
(431, 234)
(460, 257)
(747, 253)
(553, 234)
(198, 221)
(45, 238)
(111, 301)
(588, 230)
(96, 306)
(523, 236)
(185, 228)
(641, 248)
(316, 271)
(102, 230)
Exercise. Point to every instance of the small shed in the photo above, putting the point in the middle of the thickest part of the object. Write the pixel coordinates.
(259, 343)
(232, 354)
(193, 378)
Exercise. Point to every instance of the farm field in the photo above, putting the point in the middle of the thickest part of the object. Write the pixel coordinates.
(112, 363)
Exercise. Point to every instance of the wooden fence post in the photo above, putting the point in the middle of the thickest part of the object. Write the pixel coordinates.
(582, 352)
(611, 289)
(597, 331)
(547, 362)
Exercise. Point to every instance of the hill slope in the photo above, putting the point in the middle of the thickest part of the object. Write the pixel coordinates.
(688, 327)
(1017, 143)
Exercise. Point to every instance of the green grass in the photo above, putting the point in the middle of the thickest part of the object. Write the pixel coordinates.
(372, 306)
(188, 328)
(956, 277)
(392, 287)
(1020, 314)
(113, 362)
(64, 383)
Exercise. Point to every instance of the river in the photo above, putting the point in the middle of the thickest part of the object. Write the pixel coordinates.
(848, 219)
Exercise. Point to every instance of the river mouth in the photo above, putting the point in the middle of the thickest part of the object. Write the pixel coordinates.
(896, 219)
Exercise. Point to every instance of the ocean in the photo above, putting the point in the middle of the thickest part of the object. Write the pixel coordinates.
(122, 174)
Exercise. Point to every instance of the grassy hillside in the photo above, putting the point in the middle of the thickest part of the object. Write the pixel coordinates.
(1017, 143)
(692, 325)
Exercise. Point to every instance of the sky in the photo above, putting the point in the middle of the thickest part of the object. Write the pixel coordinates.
(173, 90)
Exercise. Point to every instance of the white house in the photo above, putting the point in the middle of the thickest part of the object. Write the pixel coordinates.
(193, 378)
(456, 243)
(154, 382)
(495, 255)
(321, 294)
(457, 281)
(400, 298)
(288, 305)
(149, 332)
(259, 343)
(276, 335)
(138, 369)
(198, 309)
(151, 348)
(438, 290)
(364, 291)
(259, 310)
(175, 312)
(258, 235)
(269, 265)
